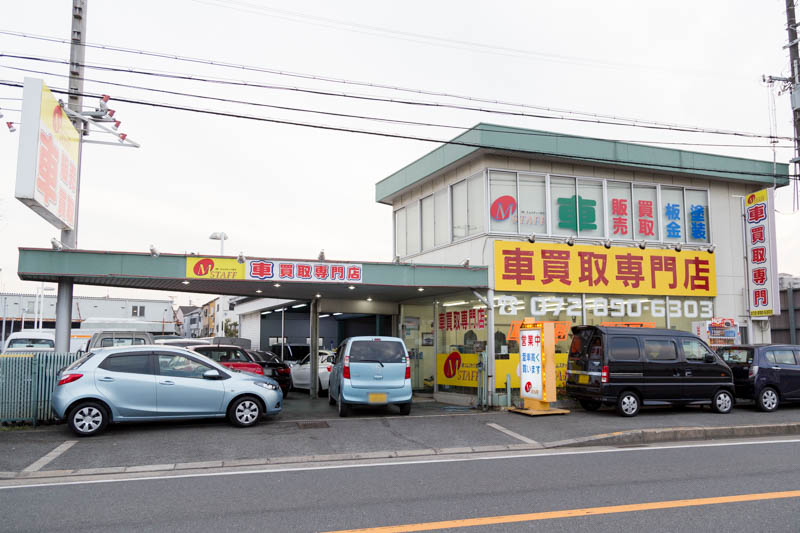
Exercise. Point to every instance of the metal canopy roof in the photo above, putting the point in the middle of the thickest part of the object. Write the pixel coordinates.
(382, 281)
(492, 138)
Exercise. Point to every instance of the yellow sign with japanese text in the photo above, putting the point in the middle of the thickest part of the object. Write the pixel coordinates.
(461, 370)
(214, 268)
(552, 267)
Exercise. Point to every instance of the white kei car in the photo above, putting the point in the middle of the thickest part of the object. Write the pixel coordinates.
(301, 372)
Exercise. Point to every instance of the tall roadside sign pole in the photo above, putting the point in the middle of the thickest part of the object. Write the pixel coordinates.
(69, 237)
(794, 60)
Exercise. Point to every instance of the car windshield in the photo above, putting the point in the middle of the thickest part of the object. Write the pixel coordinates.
(377, 351)
(31, 343)
(736, 355)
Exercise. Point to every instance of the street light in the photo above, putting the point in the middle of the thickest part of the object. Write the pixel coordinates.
(220, 236)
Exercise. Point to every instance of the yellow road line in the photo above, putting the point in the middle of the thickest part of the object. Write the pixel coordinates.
(571, 513)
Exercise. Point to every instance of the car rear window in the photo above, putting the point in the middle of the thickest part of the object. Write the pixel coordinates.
(31, 343)
(79, 362)
(736, 355)
(383, 351)
(121, 341)
(299, 351)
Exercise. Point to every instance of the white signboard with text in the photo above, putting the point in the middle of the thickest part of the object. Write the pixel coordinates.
(531, 367)
(47, 161)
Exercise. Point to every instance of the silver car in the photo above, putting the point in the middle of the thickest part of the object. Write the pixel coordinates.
(139, 383)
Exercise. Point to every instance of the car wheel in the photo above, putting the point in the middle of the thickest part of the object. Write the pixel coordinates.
(244, 412)
(628, 404)
(405, 408)
(344, 409)
(590, 405)
(768, 400)
(722, 402)
(88, 419)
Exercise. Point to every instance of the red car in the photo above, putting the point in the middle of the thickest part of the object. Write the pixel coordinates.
(229, 356)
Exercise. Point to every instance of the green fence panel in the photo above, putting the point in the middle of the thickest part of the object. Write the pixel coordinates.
(27, 382)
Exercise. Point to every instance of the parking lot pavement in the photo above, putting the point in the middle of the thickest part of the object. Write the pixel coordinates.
(311, 428)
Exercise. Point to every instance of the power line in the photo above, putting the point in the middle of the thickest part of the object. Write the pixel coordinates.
(328, 79)
(381, 99)
(378, 119)
(10, 83)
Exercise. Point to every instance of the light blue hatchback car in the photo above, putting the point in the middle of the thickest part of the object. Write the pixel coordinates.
(140, 383)
(370, 371)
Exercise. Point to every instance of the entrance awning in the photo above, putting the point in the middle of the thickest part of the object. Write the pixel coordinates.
(395, 282)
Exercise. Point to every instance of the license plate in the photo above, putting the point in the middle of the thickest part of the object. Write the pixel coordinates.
(583, 378)
(377, 397)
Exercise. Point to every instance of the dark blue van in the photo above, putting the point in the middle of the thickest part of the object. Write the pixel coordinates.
(768, 374)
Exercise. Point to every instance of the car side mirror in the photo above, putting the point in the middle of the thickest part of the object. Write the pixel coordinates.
(710, 358)
(211, 374)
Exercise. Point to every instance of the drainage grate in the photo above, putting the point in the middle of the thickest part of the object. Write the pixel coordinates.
(312, 425)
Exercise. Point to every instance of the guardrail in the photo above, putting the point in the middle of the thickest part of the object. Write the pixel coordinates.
(27, 381)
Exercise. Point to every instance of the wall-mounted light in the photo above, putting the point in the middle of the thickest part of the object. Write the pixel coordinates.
(678, 247)
(711, 248)
(56, 244)
(570, 241)
(607, 243)
(154, 251)
(532, 238)
(643, 244)
(241, 258)
(464, 263)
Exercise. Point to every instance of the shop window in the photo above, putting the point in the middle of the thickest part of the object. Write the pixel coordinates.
(503, 201)
(697, 229)
(400, 232)
(645, 213)
(564, 206)
(591, 213)
(459, 195)
(476, 213)
(532, 205)
(427, 223)
(412, 228)
(673, 227)
(620, 210)
(468, 207)
(440, 218)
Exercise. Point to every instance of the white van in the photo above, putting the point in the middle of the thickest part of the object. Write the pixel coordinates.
(43, 340)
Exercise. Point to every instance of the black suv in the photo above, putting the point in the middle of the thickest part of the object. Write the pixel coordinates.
(768, 374)
(632, 367)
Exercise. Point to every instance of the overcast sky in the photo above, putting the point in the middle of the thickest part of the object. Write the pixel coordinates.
(289, 191)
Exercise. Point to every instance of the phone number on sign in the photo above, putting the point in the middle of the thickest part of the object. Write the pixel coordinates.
(619, 307)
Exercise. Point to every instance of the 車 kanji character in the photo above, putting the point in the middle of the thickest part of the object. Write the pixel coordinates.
(756, 213)
(518, 265)
(261, 269)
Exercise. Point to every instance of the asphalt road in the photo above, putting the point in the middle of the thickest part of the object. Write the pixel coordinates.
(346, 496)
(431, 425)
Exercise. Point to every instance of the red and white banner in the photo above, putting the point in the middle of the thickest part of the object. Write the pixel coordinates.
(280, 271)
(762, 264)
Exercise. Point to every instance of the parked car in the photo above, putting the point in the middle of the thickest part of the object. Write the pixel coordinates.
(108, 338)
(301, 371)
(631, 367)
(290, 352)
(229, 356)
(140, 383)
(768, 374)
(182, 342)
(41, 340)
(371, 371)
(274, 368)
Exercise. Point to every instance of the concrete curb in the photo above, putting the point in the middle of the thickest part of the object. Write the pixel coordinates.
(648, 436)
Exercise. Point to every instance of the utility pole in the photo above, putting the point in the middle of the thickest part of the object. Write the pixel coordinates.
(69, 238)
(794, 60)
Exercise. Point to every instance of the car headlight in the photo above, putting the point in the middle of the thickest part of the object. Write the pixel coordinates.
(267, 385)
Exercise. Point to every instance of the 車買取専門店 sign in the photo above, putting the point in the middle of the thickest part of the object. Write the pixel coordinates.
(272, 270)
(552, 267)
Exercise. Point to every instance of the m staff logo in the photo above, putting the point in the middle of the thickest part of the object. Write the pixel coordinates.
(204, 267)
(503, 208)
(452, 364)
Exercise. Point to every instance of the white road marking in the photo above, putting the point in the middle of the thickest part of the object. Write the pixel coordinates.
(61, 448)
(529, 455)
(510, 433)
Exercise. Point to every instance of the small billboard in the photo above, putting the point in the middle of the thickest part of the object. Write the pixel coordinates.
(47, 161)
